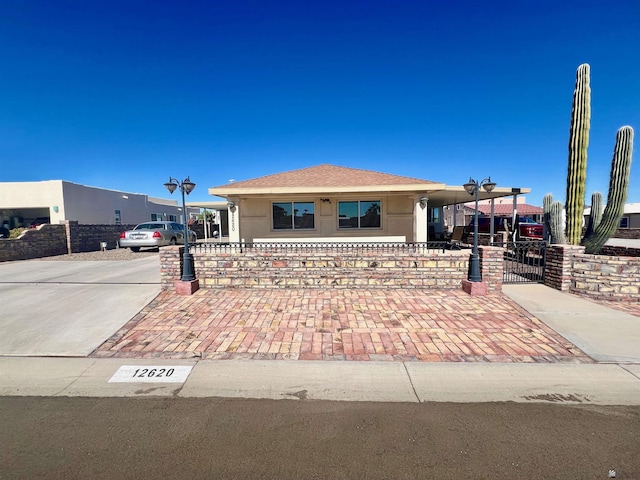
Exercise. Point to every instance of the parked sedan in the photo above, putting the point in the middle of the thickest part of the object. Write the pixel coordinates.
(154, 234)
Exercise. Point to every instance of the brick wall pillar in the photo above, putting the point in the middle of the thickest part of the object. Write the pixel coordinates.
(170, 266)
(72, 231)
(559, 264)
(492, 267)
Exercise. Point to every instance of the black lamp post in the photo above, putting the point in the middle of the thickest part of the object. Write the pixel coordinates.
(186, 186)
(473, 188)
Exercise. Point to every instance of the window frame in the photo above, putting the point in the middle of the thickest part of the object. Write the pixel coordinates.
(292, 204)
(359, 216)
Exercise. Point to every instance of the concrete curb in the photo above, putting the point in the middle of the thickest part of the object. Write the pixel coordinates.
(597, 384)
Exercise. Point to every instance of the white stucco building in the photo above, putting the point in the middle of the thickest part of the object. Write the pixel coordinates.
(23, 202)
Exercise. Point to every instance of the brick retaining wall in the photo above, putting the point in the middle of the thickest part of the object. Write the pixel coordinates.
(67, 237)
(441, 270)
(627, 233)
(45, 241)
(604, 277)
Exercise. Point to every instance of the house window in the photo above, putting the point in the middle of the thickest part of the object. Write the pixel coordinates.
(118, 218)
(359, 214)
(434, 214)
(293, 216)
(156, 217)
(624, 222)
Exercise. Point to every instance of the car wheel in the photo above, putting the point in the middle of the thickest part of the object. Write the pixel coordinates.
(135, 249)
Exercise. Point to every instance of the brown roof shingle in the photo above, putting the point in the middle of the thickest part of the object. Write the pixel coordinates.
(326, 176)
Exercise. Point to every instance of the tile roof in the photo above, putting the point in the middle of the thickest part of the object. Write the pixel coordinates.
(506, 209)
(326, 176)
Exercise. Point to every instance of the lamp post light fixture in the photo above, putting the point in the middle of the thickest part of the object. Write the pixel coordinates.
(186, 186)
(473, 188)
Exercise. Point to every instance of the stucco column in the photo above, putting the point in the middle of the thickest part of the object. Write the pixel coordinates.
(420, 218)
(234, 220)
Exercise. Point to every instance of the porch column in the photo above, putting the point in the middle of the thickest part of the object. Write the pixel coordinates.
(233, 220)
(420, 219)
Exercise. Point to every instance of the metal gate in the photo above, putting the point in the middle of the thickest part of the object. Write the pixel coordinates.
(523, 261)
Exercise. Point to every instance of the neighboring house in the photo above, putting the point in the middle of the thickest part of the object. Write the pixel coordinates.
(50, 201)
(630, 217)
(461, 214)
(333, 203)
(506, 210)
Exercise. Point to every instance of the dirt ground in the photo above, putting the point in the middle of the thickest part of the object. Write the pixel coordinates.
(135, 438)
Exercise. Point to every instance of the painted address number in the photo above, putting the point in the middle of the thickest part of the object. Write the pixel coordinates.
(151, 374)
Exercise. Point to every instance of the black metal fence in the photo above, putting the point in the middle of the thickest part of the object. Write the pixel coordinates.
(523, 261)
(321, 247)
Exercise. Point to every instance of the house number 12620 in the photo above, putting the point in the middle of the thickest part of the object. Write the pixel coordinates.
(153, 372)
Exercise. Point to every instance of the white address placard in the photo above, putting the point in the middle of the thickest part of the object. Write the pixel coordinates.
(151, 374)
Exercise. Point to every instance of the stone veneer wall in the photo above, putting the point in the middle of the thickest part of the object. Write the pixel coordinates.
(332, 270)
(87, 238)
(603, 277)
(67, 237)
(620, 251)
(627, 233)
(45, 241)
(606, 277)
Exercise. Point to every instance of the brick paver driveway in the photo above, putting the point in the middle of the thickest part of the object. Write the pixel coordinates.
(308, 324)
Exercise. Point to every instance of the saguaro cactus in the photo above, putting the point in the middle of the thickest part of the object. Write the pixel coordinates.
(578, 144)
(618, 188)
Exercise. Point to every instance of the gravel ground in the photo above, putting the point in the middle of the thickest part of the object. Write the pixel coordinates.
(107, 255)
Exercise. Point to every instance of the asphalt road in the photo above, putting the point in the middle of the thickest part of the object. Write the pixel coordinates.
(134, 438)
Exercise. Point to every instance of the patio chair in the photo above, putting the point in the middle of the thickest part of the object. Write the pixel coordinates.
(455, 242)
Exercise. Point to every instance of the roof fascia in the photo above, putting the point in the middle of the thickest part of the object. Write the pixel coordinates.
(417, 187)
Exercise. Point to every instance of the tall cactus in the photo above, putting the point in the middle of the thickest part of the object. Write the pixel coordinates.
(618, 188)
(578, 144)
(601, 224)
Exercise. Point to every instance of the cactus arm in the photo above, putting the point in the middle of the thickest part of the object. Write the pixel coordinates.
(618, 188)
(547, 200)
(595, 216)
(577, 164)
(555, 224)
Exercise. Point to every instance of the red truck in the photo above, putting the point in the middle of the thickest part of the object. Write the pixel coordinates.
(527, 227)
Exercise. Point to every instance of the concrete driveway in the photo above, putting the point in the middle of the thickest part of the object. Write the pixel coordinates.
(70, 308)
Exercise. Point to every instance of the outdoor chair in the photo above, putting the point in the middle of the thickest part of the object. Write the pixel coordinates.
(455, 242)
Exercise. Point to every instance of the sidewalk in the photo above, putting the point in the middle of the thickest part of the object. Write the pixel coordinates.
(598, 384)
(521, 357)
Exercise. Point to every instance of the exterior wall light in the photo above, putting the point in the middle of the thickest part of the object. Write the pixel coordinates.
(423, 201)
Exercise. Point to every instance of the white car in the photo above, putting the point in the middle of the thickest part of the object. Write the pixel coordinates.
(154, 235)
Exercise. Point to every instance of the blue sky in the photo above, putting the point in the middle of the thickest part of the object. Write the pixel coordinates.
(122, 94)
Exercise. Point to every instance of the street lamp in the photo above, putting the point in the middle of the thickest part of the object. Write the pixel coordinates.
(186, 186)
(473, 188)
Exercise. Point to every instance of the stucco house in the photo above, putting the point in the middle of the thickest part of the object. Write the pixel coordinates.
(329, 203)
(55, 200)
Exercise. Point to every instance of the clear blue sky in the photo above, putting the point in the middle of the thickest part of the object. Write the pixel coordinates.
(121, 94)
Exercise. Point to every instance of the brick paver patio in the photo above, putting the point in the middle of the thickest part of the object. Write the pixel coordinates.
(323, 324)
